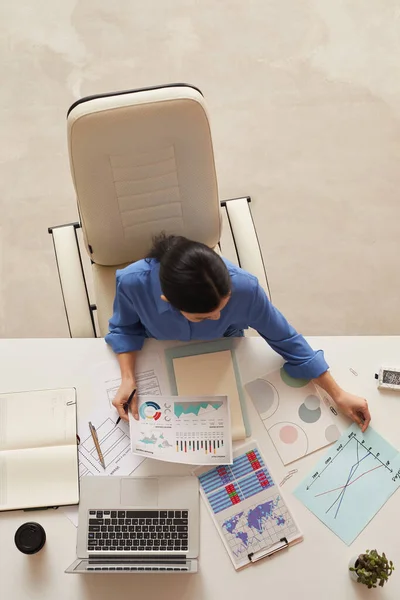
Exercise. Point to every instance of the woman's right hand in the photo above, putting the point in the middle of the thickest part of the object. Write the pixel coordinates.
(125, 390)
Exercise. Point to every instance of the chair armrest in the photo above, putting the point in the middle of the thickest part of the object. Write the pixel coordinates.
(226, 241)
(72, 280)
(243, 242)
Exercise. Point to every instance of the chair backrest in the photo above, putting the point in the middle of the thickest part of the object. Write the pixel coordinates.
(142, 162)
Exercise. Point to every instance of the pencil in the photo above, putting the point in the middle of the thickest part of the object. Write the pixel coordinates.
(97, 444)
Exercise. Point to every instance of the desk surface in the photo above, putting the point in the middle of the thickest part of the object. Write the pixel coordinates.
(317, 567)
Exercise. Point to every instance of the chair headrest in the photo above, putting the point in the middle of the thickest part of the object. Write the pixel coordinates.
(142, 162)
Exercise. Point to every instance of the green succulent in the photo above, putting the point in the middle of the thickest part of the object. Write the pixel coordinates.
(373, 568)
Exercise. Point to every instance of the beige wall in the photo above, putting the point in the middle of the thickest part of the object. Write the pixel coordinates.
(304, 102)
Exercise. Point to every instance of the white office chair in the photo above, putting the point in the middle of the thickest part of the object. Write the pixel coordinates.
(142, 162)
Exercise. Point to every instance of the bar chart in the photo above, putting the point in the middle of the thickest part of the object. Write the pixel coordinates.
(205, 442)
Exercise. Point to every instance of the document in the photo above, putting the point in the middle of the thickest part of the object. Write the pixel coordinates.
(352, 482)
(195, 430)
(211, 374)
(150, 379)
(297, 414)
(247, 507)
(114, 442)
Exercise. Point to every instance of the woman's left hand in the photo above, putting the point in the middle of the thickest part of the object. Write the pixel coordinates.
(355, 408)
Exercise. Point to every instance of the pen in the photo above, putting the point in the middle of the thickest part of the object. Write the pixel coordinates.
(127, 404)
(97, 444)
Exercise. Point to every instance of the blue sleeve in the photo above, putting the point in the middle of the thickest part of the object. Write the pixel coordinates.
(302, 361)
(126, 331)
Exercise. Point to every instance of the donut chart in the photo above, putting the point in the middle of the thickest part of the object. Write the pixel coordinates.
(150, 410)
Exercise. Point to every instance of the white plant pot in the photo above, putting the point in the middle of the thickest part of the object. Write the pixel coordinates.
(352, 562)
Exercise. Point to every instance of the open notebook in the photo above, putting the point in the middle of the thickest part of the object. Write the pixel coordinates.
(38, 449)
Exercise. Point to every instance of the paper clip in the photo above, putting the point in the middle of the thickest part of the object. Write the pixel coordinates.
(288, 476)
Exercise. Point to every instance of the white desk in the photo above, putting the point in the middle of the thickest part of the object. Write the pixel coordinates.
(314, 569)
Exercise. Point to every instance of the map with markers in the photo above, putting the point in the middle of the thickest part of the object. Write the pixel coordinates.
(194, 431)
(246, 505)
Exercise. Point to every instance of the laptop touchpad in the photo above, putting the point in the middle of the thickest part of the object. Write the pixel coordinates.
(139, 491)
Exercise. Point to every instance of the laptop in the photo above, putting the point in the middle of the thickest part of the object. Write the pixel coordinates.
(138, 525)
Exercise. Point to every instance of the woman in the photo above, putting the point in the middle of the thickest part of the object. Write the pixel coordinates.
(184, 291)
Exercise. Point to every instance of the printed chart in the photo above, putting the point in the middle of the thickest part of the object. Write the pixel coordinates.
(352, 482)
(208, 442)
(259, 527)
(246, 505)
(297, 419)
(236, 492)
(199, 409)
(186, 430)
(150, 410)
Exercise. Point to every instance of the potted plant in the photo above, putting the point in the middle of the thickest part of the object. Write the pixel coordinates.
(371, 568)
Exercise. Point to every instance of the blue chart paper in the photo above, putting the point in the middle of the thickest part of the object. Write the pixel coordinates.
(352, 482)
(246, 506)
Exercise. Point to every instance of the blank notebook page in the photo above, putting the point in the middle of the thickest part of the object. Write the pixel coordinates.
(38, 449)
(38, 477)
(211, 374)
(37, 419)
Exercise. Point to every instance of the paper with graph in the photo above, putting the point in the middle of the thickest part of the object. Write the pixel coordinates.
(213, 374)
(352, 482)
(298, 416)
(247, 507)
(195, 431)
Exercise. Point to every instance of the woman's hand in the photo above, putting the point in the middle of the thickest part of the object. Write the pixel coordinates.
(355, 408)
(352, 406)
(125, 390)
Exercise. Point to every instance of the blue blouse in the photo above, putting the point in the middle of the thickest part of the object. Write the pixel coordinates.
(139, 312)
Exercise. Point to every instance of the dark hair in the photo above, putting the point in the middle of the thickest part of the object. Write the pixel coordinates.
(192, 276)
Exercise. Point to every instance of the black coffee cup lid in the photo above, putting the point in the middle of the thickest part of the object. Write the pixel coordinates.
(30, 538)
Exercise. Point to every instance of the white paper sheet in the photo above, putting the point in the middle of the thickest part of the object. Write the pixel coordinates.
(195, 430)
(114, 443)
(150, 378)
(297, 415)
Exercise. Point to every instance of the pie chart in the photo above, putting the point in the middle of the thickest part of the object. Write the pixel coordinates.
(150, 410)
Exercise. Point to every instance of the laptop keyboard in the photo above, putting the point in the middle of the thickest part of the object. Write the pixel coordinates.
(138, 530)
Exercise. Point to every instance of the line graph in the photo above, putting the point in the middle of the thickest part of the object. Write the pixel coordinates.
(351, 483)
(196, 408)
(353, 471)
(340, 448)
